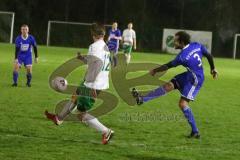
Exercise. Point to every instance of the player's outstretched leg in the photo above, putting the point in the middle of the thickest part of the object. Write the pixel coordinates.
(53, 118)
(93, 122)
(66, 110)
(160, 91)
(183, 104)
(29, 75)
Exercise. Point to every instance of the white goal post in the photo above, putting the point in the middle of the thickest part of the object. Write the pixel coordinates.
(64, 22)
(12, 23)
(235, 45)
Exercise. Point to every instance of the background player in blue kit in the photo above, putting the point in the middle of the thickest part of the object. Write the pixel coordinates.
(113, 41)
(189, 82)
(23, 54)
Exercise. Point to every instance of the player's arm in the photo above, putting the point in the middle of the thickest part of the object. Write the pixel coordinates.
(123, 35)
(82, 58)
(35, 49)
(162, 68)
(95, 65)
(94, 68)
(134, 41)
(17, 49)
(118, 36)
(209, 57)
(109, 38)
(109, 35)
(174, 63)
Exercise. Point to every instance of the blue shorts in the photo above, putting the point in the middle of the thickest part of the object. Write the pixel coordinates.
(24, 59)
(188, 84)
(113, 46)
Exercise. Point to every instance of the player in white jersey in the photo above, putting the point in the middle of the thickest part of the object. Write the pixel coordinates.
(129, 41)
(96, 79)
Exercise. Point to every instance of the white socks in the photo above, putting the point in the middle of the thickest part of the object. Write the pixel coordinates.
(128, 58)
(94, 123)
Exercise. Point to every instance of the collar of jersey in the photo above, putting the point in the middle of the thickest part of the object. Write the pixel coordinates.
(24, 38)
(186, 46)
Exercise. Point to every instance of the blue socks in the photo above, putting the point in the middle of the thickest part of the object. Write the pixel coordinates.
(189, 116)
(29, 78)
(154, 94)
(15, 77)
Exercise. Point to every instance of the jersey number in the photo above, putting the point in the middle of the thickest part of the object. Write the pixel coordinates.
(198, 58)
(106, 64)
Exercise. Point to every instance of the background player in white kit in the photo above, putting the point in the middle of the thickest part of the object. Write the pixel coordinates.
(96, 79)
(129, 41)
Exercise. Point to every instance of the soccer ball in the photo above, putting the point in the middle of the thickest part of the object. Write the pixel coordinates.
(59, 84)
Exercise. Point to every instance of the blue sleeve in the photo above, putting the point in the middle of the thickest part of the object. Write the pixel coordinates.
(204, 50)
(33, 42)
(17, 43)
(177, 61)
(208, 56)
(119, 33)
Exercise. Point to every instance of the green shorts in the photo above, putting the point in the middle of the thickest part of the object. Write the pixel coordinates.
(127, 48)
(84, 99)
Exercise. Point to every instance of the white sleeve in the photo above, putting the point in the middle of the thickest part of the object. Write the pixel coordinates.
(124, 33)
(92, 50)
(134, 35)
(95, 65)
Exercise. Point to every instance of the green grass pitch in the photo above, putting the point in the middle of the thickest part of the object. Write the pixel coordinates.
(25, 134)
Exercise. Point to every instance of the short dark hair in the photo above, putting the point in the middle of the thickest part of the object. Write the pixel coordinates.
(183, 37)
(24, 25)
(97, 29)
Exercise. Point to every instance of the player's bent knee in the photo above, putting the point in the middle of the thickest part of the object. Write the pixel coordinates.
(16, 67)
(182, 103)
(29, 69)
(168, 87)
(84, 116)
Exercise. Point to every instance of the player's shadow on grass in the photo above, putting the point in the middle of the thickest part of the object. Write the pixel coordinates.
(145, 157)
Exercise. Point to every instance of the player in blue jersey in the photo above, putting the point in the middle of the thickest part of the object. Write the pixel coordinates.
(189, 82)
(23, 54)
(113, 41)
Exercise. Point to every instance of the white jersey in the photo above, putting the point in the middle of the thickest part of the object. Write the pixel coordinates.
(100, 50)
(128, 36)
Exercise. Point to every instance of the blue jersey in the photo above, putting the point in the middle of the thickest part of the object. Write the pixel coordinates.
(114, 33)
(190, 82)
(191, 58)
(25, 45)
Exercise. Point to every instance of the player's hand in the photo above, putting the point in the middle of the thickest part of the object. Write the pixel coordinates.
(152, 72)
(79, 56)
(74, 98)
(112, 37)
(15, 61)
(94, 93)
(134, 47)
(214, 73)
(36, 60)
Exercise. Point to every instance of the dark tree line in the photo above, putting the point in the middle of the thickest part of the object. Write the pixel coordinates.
(149, 17)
